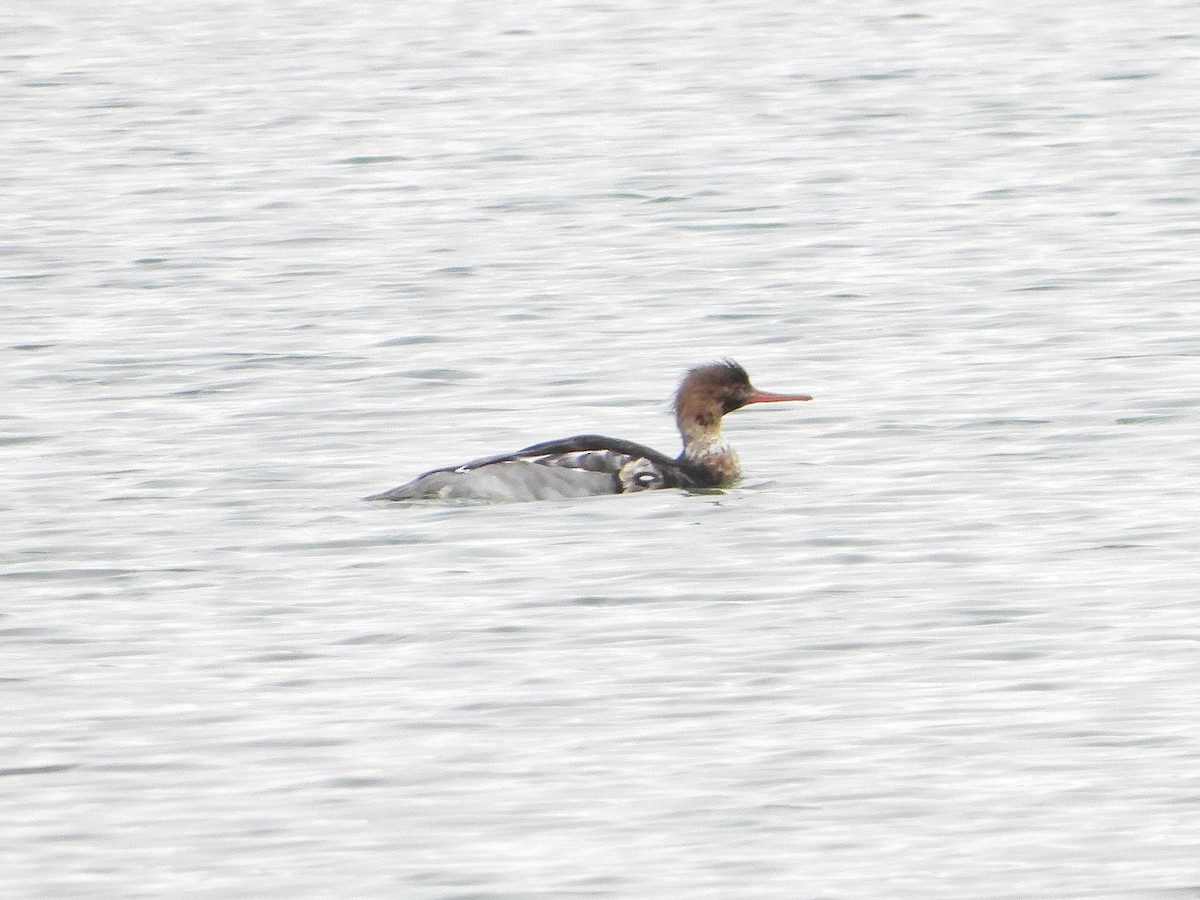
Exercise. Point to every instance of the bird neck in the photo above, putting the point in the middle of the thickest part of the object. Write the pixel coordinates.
(706, 449)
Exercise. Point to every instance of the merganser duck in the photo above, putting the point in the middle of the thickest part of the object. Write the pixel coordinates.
(590, 465)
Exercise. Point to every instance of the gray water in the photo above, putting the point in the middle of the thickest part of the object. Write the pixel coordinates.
(259, 260)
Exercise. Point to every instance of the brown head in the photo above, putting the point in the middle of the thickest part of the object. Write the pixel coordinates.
(710, 391)
(705, 395)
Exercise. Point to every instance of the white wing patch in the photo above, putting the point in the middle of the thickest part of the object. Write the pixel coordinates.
(639, 474)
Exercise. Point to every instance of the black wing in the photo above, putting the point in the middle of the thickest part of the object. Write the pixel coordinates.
(604, 454)
(580, 443)
(584, 465)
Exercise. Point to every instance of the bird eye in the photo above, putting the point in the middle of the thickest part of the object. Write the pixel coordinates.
(732, 402)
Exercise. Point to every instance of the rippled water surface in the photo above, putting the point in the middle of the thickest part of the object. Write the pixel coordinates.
(260, 260)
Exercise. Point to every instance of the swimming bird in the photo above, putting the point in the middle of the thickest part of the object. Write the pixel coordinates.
(590, 465)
